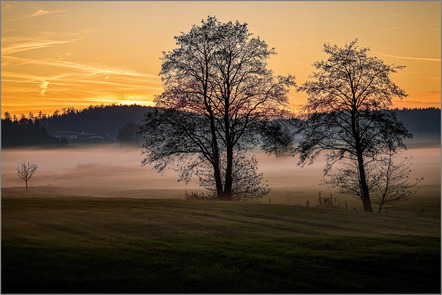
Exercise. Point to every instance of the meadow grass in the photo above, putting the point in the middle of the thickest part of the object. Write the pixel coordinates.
(62, 244)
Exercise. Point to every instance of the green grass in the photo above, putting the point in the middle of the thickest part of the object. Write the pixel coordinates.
(79, 244)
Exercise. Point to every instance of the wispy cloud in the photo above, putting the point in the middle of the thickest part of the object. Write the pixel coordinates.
(44, 12)
(79, 78)
(83, 79)
(421, 74)
(39, 12)
(44, 86)
(396, 28)
(408, 57)
(14, 48)
(49, 75)
(419, 102)
(87, 70)
(12, 44)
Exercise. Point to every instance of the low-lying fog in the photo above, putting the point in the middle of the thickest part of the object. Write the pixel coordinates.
(112, 170)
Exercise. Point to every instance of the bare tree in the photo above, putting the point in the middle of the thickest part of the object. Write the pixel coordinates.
(388, 179)
(216, 87)
(348, 98)
(25, 172)
(393, 181)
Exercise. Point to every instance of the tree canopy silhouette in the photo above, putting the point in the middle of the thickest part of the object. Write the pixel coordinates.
(27, 132)
(217, 88)
(348, 95)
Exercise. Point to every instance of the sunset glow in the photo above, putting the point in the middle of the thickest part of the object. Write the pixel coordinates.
(75, 54)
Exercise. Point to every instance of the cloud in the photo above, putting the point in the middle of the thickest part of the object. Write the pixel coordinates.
(420, 102)
(408, 57)
(44, 86)
(14, 48)
(87, 70)
(44, 12)
(81, 80)
(78, 81)
(39, 12)
(396, 28)
(42, 39)
(26, 76)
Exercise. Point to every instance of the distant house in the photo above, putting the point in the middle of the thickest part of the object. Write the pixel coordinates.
(79, 137)
(69, 135)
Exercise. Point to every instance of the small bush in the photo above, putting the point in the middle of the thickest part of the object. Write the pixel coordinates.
(199, 196)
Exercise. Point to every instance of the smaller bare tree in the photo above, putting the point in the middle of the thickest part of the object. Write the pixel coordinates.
(25, 171)
(387, 179)
(392, 182)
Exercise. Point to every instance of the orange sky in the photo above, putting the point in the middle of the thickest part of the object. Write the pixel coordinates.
(62, 54)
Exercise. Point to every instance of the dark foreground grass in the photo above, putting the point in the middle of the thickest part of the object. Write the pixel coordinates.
(93, 245)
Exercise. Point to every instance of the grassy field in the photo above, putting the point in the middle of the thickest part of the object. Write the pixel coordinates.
(53, 243)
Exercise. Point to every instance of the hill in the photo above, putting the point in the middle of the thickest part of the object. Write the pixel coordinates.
(107, 120)
(102, 121)
(421, 121)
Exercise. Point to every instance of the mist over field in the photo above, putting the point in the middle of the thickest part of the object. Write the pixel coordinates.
(116, 171)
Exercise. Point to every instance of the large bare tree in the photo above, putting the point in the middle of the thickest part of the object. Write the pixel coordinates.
(348, 97)
(216, 88)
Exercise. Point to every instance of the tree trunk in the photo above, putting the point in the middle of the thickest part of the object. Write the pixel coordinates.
(26, 182)
(367, 205)
(380, 207)
(218, 182)
(366, 202)
(229, 137)
(216, 168)
(229, 179)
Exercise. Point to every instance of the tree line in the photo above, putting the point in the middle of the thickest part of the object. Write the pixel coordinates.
(122, 121)
(27, 132)
(102, 120)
